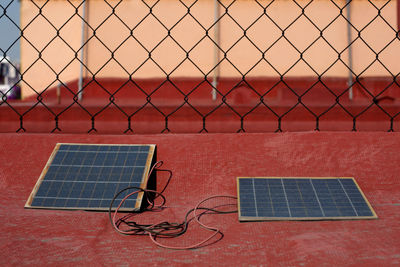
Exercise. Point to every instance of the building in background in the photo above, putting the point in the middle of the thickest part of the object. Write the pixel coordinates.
(9, 78)
(124, 40)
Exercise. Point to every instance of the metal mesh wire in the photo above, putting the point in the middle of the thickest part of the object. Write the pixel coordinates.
(203, 66)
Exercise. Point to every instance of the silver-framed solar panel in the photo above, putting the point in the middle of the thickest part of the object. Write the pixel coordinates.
(88, 176)
(286, 198)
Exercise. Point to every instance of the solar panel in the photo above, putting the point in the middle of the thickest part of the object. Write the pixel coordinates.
(88, 176)
(277, 198)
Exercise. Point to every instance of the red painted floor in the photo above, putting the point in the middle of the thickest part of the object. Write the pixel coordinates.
(206, 165)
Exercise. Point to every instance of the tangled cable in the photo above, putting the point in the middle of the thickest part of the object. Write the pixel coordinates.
(164, 229)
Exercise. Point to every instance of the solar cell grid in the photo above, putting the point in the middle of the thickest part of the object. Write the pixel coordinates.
(301, 199)
(85, 176)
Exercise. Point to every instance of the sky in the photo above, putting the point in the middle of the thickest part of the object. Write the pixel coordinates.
(8, 31)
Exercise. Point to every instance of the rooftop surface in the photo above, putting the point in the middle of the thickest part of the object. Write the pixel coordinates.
(204, 165)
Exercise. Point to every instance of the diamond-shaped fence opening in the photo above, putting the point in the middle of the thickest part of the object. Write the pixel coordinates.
(170, 19)
(35, 80)
(263, 33)
(58, 20)
(58, 46)
(305, 38)
(146, 66)
(129, 45)
(39, 33)
(124, 12)
(273, 56)
(244, 55)
(331, 10)
(150, 32)
(320, 56)
(112, 33)
(98, 61)
(168, 62)
(245, 14)
(291, 10)
(378, 35)
(187, 24)
(206, 64)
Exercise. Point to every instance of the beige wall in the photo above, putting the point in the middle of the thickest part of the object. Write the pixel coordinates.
(377, 36)
(37, 32)
(187, 33)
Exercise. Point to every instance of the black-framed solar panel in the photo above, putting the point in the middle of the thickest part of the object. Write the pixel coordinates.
(285, 198)
(88, 176)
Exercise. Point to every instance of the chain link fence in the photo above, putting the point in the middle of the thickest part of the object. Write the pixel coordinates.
(200, 66)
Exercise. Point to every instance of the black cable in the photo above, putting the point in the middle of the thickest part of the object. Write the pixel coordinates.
(163, 229)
